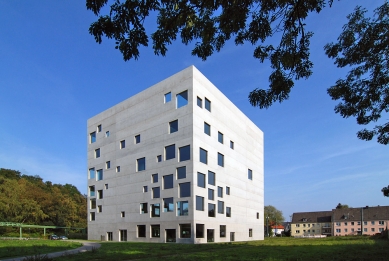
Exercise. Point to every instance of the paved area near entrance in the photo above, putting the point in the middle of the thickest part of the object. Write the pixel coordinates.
(87, 246)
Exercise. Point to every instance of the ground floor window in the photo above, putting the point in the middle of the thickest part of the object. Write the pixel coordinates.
(170, 235)
(199, 230)
(210, 235)
(232, 236)
(141, 230)
(250, 232)
(123, 235)
(109, 236)
(155, 231)
(185, 230)
(222, 231)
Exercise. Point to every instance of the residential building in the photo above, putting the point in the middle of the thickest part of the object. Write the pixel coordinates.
(177, 162)
(311, 223)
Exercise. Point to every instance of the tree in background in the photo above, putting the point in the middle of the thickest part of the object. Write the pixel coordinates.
(272, 216)
(385, 190)
(340, 206)
(210, 24)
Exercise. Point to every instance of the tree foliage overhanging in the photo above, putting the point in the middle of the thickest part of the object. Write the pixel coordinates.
(273, 216)
(209, 24)
(27, 199)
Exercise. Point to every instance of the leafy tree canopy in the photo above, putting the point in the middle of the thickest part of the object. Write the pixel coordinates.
(275, 216)
(340, 206)
(385, 190)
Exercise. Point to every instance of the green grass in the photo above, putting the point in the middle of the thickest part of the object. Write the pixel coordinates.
(16, 248)
(271, 249)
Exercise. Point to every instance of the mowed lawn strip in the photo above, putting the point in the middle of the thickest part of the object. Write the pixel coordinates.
(17, 248)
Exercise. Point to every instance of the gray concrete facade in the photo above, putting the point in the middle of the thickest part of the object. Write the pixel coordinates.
(120, 192)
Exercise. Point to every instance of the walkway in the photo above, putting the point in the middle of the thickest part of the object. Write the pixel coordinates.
(87, 246)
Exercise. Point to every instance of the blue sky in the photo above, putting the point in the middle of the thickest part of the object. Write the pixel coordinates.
(53, 77)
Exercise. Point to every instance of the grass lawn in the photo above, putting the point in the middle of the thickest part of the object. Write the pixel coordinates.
(15, 248)
(271, 249)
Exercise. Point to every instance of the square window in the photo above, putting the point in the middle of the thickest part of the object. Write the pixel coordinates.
(199, 102)
(182, 208)
(220, 207)
(227, 190)
(185, 189)
(117, 168)
(107, 134)
(155, 231)
(168, 181)
(92, 173)
(211, 210)
(222, 231)
(184, 153)
(200, 180)
(97, 153)
(141, 230)
(220, 192)
(207, 129)
(173, 126)
(92, 137)
(99, 128)
(207, 104)
(108, 165)
(170, 152)
(91, 191)
(182, 99)
(250, 232)
(92, 216)
(122, 144)
(159, 158)
(143, 208)
(372, 222)
(250, 174)
(100, 194)
(137, 139)
(168, 97)
(156, 192)
(168, 205)
(231, 144)
(181, 172)
(199, 230)
(211, 178)
(220, 159)
(100, 174)
(199, 203)
(123, 214)
(203, 156)
(155, 210)
(228, 211)
(185, 230)
(154, 178)
(141, 164)
(220, 137)
(211, 194)
(144, 189)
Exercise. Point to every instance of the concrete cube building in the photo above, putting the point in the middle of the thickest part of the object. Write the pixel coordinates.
(177, 162)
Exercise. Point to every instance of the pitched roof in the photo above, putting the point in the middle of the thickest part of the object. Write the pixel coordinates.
(354, 214)
(316, 217)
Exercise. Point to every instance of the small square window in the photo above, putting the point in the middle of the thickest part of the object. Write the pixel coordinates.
(203, 156)
(227, 190)
(207, 129)
(211, 178)
(97, 153)
(100, 194)
(228, 211)
(207, 104)
(117, 168)
(170, 152)
(141, 164)
(220, 207)
(185, 189)
(144, 189)
(168, 181)
(106, 186)
(122, 144)
(159, 158)
(211, 194)
(99, 128)
(108, 165)
(156, 192)
(107, 134)
(137, 139)
(220, 192)
(92, 137)
(100, 174)
(154, 178)
(92, 216)
(211, 210)
(155, 210)
(220, 159)
(168, 205)
(200, 180)
(199, 203)
(93, 203)
(92, 173)
(182, 99)
(173, 126)
(250, 174)
(184, 153)
(168, 97)
(99, 208)
(143, 208)
(91, 191)
(199, 102)
(123, 214)
(181, 172)
(231, 144)
(220, 137)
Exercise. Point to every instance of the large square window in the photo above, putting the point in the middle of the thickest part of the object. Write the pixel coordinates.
(184, 153)
(170, 152)
(211, 178)
(97, 153)
(100, 174)
(207, 129)
(155, 210)
(211, 194)
(137, 139)
(211, 210)
(122, 144)
(185, 230)
(199, 203)
(173, 126)
(185, 189)
(199, 230)
(199, 102)
(168, 97)
(181, 172)
(220, 159)
(156, 192)
(143, 208)
(220, 137)
(141, 164)
(250, 174)
(182, 99)
(203, 156)
(201, 180)
(220, 207)
(207, 104)
(220, 192)
(182, 208)
(155, 231)
(92, 173)
(168, 181)
(168, 205)
(141, 230)
(92, 137)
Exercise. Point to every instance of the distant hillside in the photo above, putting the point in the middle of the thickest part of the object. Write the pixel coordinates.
(27, 199)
